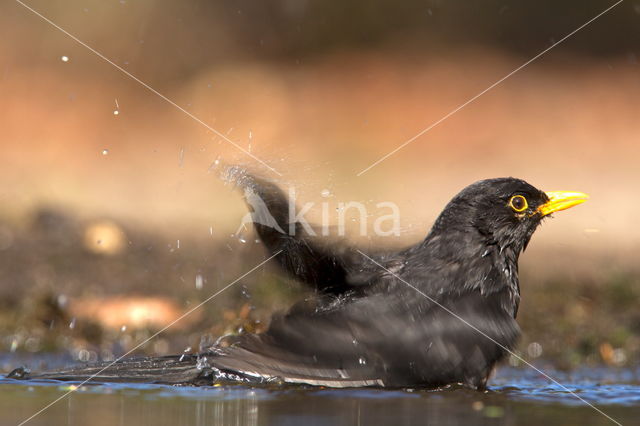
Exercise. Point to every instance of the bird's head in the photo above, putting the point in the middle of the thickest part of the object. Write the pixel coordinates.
(505, 211)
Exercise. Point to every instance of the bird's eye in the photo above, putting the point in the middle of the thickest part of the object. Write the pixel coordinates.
(518, 203)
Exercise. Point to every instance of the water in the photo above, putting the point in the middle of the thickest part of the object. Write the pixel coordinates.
(517, 396)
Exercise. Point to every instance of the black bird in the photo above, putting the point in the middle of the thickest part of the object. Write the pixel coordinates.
(438, 313)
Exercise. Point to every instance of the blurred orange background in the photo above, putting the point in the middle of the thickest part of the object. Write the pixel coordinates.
(567, 121)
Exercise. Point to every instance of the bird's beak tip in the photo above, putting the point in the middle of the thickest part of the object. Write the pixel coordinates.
(562, 200)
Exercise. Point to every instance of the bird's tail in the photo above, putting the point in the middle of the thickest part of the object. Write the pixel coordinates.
(178, 369)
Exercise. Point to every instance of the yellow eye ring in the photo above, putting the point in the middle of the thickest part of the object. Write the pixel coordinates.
(518, 203)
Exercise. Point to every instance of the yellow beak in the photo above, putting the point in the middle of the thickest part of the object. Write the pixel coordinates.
(562, 200)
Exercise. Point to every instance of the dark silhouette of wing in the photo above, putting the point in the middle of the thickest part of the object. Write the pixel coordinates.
(326, 265)
(386, 340)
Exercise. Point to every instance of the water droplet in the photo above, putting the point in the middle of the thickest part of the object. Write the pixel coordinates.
(64, 58)
(62, 300)
(83, 355)
(105, 152)
(245, 292)
(178, 244)
(123, 328)
(107, 355)
(214, 164)
(116, 112)
(199, 281)
(202, 363)
(72, 324)
(362, 360)
(534, 349)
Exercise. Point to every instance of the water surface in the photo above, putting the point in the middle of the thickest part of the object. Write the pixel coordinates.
(516, 396)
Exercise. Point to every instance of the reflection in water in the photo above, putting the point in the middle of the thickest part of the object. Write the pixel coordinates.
(517, 397)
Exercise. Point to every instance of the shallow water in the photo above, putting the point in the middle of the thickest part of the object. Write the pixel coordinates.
(516, 396)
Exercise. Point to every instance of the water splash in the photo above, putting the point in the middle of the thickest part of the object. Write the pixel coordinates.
(214, 165)
(245, 292)
(202, 363)
(181, 157)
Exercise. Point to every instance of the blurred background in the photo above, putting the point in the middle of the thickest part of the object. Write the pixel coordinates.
(113, 220)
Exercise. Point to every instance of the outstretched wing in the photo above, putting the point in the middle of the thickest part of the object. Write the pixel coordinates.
(328, 266)
(397, 340)
(386, 340)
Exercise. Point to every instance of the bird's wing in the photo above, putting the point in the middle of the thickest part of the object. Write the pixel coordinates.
(328, 266)
(385, 340)
(310, 345)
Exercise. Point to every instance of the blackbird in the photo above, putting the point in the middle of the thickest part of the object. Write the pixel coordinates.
(440, 312)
